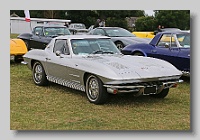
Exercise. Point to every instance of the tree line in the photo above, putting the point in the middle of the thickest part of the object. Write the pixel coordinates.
(168, 18)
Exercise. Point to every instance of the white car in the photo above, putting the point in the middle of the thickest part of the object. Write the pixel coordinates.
(93, 64)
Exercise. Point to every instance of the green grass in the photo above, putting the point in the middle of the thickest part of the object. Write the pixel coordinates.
(55, 107)
(13, 35)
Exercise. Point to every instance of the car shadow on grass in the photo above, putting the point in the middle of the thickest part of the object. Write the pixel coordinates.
(118, 99)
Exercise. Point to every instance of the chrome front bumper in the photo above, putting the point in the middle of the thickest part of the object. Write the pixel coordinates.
(141, 89)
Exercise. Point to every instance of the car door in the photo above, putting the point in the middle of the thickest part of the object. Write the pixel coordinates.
(56, 64)
(166, 49)
(61, 68)
(39, 40)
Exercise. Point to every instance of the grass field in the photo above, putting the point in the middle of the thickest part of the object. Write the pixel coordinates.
(55, 107)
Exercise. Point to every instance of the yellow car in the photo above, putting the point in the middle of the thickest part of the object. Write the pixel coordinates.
(17, 49)
(144, 34)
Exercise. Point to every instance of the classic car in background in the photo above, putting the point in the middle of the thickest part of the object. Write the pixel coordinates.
(17, 50)
(42, 35)
(152, 34)
(121, 37)
(78, 28)
(93, 64)
(173, 47)
(144, 34)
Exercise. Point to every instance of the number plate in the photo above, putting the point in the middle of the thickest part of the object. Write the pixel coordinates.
(150, 90)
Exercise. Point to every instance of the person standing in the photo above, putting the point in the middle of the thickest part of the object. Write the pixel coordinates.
(66, 24)
(97, 24)
(102, 23)
(158, 30)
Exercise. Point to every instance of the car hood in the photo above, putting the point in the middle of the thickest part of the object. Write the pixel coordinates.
(128, 67)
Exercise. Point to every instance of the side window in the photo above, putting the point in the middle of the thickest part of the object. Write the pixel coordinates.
(61, 45)
(38, 31)
(99, 32)
(167, 40)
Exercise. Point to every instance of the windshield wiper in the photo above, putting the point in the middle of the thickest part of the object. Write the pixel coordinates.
(102, 52)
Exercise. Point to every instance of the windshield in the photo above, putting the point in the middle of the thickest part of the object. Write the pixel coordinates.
(93, 46)
(118, 32)
(184, 40)
(55, 31)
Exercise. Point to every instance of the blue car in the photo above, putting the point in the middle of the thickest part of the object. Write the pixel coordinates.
(173, 46)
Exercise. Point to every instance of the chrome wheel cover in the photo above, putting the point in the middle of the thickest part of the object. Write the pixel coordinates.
(38, 73)
(93, 88)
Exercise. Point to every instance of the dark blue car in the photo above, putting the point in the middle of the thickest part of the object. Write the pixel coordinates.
(173, 47)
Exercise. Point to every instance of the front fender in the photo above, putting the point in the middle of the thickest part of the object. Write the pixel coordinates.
(25, 36)
(138, 50)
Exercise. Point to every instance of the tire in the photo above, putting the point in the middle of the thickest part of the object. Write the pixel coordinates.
(162, 94)
(18, 59)
(39, 75)
(138, 54)
(95, 91)
(119, 45)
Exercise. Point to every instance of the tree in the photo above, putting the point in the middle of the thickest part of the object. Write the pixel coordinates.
(145, 23)
(173, 18)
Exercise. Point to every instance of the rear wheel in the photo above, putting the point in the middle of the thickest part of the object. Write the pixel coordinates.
(95, 91)
(39, 75)
(119, 45)
(18, 59)
(162, 94)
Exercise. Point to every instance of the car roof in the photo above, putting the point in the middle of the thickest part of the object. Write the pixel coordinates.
(50, 25)
(173, 31)
(82, 36)
(108, 27)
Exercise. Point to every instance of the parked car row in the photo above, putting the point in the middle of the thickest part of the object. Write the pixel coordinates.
(107, 60)
(172, 45)
(121, 37)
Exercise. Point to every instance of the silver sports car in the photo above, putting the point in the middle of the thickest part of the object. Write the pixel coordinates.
(93, 64)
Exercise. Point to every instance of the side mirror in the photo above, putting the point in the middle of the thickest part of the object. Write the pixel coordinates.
(37, 33)
(166, 45)
(58, 53)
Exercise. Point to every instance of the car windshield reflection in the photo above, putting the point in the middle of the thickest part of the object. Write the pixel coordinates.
(118, 32)
(93, 46)
(55, 31)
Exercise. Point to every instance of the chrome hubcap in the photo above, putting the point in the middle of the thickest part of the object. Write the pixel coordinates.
(93, 88)
(38, 73)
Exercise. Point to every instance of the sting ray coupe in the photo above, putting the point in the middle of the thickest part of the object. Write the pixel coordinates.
(93, 64)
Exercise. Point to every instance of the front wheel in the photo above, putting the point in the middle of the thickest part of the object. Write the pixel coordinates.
(119, 45)
(162, 94)
(95, 91)
(39, 75)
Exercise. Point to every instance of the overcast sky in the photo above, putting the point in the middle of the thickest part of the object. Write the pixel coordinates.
(149, 12)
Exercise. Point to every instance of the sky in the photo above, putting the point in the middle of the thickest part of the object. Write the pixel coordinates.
(149, 12)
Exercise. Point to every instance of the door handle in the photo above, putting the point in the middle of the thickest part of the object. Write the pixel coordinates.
(154, 51)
